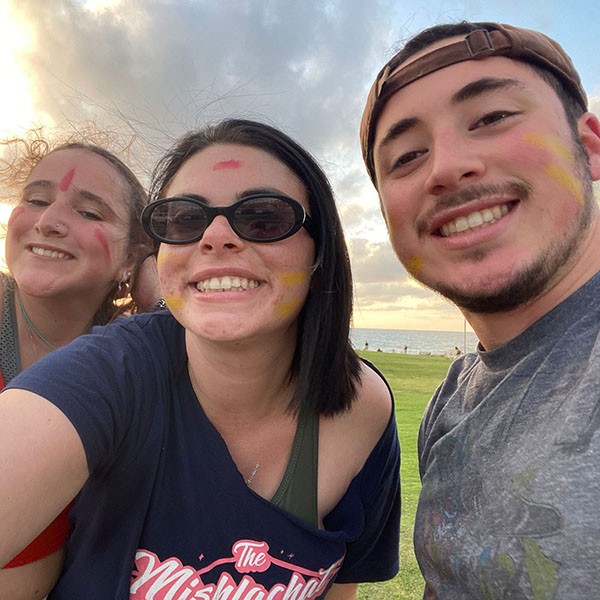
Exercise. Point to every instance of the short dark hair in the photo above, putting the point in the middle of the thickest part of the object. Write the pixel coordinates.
(325, 366)
(423, 39)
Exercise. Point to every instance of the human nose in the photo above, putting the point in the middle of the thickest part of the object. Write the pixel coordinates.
(454, 162)
(219, 237)
(53, 221)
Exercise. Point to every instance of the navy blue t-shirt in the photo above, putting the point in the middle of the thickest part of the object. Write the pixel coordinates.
(166, 514)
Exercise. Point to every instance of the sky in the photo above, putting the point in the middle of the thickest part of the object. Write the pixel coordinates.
(150, 70)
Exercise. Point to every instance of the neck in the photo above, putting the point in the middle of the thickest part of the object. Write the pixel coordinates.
(58, 320)
(496, 329)
(241, 383)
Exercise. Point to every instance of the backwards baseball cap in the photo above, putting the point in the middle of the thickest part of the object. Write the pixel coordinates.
(492, 39)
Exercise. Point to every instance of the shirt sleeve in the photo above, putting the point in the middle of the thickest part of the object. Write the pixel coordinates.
(102, 383)
(373, 556)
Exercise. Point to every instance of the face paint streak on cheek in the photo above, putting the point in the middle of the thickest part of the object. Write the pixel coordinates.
(101, 237)
(65, 182)
(285, 309)
(19, 210)
(554, 144)
(174, 302)
(227, 164)
(293, 278)
(566, 179)
(414, 265)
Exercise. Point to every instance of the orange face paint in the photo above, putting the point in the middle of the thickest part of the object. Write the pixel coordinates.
(227, 164)
(285, 309)
(552, 143)
(65, 182)
(565, 178)
(174, 302)
(413, 265)
(293, 278)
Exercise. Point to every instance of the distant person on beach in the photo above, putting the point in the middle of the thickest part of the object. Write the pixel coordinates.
(457, 351)
(405, 348)
(478, 139)
(236, 445)
(74, 242)
(366, 346)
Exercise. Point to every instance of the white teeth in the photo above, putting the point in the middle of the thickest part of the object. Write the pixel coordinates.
(49, 253)
(226, 284)
(461, 224)
(475, 220)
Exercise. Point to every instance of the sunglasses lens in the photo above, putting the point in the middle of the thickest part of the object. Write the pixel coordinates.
(265, 218)
(178, 221)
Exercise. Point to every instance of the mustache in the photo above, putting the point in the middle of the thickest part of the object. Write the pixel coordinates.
(518, 189)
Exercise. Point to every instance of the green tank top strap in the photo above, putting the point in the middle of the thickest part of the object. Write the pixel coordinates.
(10, 356)
(297, 493)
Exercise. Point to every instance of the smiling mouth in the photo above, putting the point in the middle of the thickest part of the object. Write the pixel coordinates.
(226, 284)
(50, 253)
(478, 219)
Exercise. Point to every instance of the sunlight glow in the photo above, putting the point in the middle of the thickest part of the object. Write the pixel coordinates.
(16, 106)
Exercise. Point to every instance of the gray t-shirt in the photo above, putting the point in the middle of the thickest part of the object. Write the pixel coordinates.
(509, 454)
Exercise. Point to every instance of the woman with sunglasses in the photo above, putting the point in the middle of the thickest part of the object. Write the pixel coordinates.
(234, 447)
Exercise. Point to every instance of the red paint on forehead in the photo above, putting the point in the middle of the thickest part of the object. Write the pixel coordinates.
(101, 237)
(228, 164)
(15, 213)
(65, 182)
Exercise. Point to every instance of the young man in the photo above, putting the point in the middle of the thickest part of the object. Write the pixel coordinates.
(478, 140)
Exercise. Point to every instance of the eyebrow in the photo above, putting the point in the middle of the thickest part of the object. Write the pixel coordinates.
(238, 196)
(85, 194)
(467, 92)
(483, 86)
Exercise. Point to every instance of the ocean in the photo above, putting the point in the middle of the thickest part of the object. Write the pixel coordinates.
(417, 342)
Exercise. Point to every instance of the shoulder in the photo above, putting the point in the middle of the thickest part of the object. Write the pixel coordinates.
(359, 429)
(373, 406)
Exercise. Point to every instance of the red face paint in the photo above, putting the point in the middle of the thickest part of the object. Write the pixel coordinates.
(15, 213)
(65, 182)
(227, 164)
(99, 235)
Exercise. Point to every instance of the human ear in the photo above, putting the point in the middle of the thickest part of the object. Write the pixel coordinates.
(589, 132)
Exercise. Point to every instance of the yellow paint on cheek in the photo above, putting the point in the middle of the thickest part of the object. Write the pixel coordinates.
(414, 265)
(293, 278)
(285, 309)
(566, 179)
(550, 142)
(174, 302)
(163, 257)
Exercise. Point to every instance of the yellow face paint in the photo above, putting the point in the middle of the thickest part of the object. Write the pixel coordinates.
(554, 144)
(414, 265)
(285, 309)
(565, 178)
(293, 278)
(162, 258)
(174, 302)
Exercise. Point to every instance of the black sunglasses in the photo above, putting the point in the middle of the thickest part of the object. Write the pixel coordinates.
(255, 218)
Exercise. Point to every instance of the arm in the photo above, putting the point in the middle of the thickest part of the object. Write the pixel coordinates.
(32, 581)
(342, 591)
(42, 467)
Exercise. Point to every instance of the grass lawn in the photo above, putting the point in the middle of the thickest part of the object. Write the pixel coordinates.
(413, 380)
